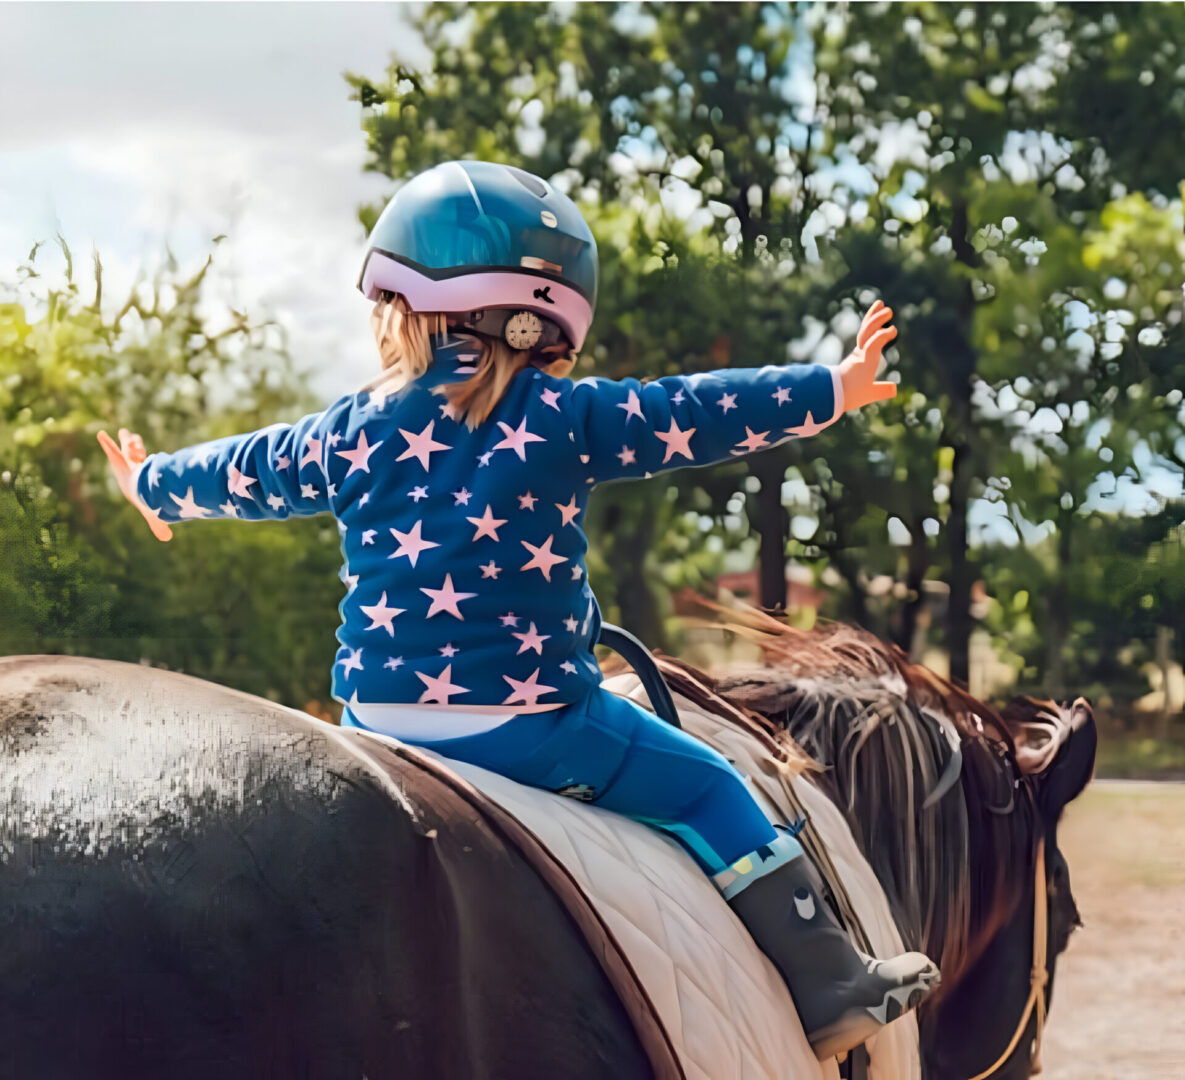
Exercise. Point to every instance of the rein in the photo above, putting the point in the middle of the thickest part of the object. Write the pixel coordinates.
(1038, 974)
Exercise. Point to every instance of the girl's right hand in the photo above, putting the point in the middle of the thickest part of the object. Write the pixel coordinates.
(124, 458)
(858, 371)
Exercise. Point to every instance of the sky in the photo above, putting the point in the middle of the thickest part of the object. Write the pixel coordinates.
(129, 127)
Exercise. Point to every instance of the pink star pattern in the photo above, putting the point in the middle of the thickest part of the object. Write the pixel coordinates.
(753, 441)
(439, 690)
(551, 398)
(411, 543)
(359, 457)
(275, 502)
(421, 446)
(446, 599)
(726, 402)
(527, 691)
(632, 406)
(678, 442)
(627, 455)
(353, 662)
(527, 501)
(418, 493)
(187, 508)
(782, 394)
(569, 511)
(462, 497)
(807, 428)
(312, 453)
(509, 619)
(517, 439)
(381, 616)
(237, 483)
(542, 558)
(532, 639)
(490, 570)
(487, 524)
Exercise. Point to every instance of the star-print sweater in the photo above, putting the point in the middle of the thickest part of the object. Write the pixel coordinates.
(463, 550)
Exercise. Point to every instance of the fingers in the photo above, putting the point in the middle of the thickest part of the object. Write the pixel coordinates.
(114, 454)
(882, 391)
(159, 529)
(879, 341)
(132, 446)
(876, 317)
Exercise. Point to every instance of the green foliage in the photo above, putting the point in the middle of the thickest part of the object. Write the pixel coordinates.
(81, 572)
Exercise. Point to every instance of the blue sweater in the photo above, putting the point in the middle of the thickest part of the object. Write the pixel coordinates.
(463, 550)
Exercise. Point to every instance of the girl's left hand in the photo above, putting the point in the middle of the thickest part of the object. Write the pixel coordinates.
(858, 371)
(124, 458)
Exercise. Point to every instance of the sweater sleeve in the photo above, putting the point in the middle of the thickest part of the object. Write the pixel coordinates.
(635, 429)
(273, 473)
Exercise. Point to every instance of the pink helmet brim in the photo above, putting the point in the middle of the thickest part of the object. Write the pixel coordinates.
(483, 289)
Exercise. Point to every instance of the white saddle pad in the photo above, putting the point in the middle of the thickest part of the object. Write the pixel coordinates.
(723, 1005)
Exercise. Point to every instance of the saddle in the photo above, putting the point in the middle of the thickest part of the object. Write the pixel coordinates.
(704, 999)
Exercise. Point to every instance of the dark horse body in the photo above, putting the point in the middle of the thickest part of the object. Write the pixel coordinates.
(194, 882)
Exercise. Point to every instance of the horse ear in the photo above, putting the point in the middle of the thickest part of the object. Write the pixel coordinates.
(1055, 745)
(1073, 767)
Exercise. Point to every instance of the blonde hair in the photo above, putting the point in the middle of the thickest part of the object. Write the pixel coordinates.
(405, 341)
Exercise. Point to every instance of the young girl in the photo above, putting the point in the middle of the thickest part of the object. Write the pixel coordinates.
(459, 480)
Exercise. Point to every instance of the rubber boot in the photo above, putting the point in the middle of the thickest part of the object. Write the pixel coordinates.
(843, 997)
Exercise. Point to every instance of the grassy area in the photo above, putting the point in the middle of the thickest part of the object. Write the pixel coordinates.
(1140, 758)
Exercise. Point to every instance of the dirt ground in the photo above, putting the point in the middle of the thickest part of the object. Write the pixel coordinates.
(1119, 1001)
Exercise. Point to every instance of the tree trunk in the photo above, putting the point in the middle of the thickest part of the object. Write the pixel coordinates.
(1057, 629)
(632, 529)
(958, 618)
(1164, 661)
(772, 524)
(961, 364)
(918, 562)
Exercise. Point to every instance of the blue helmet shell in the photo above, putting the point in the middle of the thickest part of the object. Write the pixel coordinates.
(468, 235)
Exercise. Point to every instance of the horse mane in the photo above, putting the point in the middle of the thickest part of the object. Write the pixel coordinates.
(882, 730)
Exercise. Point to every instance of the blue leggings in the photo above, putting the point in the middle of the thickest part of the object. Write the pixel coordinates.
(610, 752)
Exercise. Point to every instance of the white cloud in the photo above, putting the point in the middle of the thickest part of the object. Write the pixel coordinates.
(132, 126)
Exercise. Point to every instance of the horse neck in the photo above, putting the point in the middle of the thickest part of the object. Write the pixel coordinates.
(949, 870)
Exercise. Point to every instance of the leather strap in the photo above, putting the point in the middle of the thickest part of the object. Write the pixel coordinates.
(1038, 973)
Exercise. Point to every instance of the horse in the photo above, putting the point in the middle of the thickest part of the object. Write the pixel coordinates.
(973, 873)
(196, 880)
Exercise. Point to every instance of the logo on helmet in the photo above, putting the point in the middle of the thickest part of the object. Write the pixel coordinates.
(543, 294)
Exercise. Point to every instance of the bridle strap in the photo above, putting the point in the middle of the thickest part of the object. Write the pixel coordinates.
(1038, 975)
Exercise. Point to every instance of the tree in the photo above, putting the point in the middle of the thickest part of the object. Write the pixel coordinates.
(81, 572)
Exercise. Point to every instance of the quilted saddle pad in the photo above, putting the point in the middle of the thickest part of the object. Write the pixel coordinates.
(724, 1008)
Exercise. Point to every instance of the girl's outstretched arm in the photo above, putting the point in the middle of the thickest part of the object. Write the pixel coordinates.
(276, 472)
(632, 429)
